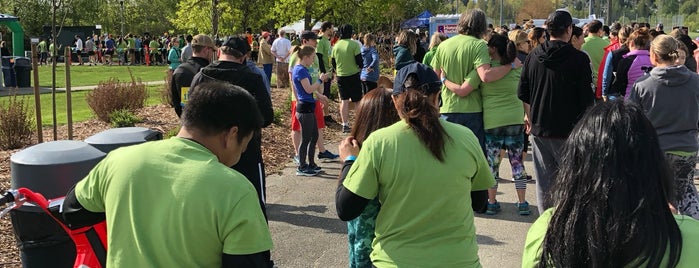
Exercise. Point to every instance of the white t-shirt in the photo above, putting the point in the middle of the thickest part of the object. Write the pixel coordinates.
(79, 44)
(281, 47)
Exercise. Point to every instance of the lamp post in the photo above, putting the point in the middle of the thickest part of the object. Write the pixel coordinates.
(121, 3)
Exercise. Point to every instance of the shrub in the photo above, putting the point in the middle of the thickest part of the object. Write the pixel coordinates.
(172, 132)
(123, 118)
(334, 92)
(278, 114)
(113, 95)
(16, 124)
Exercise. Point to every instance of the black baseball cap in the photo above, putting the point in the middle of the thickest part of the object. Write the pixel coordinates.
(427, 79)
(238, 43)
(559, 20)
(309, 35)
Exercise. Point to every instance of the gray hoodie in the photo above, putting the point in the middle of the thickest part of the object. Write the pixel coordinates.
(669, 97)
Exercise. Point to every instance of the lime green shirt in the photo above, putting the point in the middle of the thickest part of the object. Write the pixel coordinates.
(132, 43)
(427, 60)
(344, 52)
(689, 228)
(324, 49)
(426, 219)
(314, 70)
(501, 106)
(459, 56)
(42, 46)
(171, 203)
(594, 46)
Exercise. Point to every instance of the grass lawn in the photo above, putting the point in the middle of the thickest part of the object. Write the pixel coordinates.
(81, 111)
(91, 75)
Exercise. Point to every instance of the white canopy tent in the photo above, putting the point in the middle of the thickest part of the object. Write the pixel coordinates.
(297, 27)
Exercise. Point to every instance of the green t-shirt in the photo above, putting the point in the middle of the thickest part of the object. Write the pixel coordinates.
(344, 52)
(427, 60)
(132, 43)
(689, 228)
(314, 70)
(324, 49)
(458, 56)
(594, 46)
(426, 219)
(42, 46)
(501, 106)
(171, 203)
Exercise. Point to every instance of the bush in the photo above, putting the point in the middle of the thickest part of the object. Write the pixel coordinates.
(123, 118)
(334, 92)
(113, 95)
(16, 124)
(278, 114)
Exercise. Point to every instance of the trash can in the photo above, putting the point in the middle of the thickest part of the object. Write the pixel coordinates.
(50, 168)
(23, 70)
(108, 140)
(8, 73)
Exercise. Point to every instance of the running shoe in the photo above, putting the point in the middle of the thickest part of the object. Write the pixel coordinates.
(493, 208)
(305, 171)
(523, 208)
(327, 155)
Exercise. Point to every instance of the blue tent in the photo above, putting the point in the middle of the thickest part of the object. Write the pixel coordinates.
(421, 21)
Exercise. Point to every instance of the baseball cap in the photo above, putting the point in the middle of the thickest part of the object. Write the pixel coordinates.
(559, 20)
(203, 41)
(237, 43)
(427, 79)
(309, 35)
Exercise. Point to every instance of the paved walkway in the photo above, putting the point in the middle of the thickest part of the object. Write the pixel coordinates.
(4, 91)
(307, 232)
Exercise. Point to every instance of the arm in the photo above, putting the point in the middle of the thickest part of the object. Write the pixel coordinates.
(175, 92)
(490, 74)
(334, 64)
(321, 63)
(466, 87)
(310, 88)
(255, 260)
(359, 61)
(76, 216)
(607, 75)
(374, 58)
(527, 122)
(348, 204)
(523, 90)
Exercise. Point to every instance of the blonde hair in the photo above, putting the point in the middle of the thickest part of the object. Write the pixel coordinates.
(408, 39)
(665, 48)
(436, 39)
(369, 39)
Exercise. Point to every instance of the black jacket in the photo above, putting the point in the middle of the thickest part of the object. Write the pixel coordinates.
(557, 82)
(250, 164)
(182, 79)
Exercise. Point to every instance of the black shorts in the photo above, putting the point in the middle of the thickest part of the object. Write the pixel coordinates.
(350, 87)
(90, 53)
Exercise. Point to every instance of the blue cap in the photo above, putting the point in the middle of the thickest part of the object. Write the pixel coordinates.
(428, 82)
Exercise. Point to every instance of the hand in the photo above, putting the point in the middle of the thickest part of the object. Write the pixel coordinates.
(322, 98)
(527, 124)
(323, 77)
(348, 146)
(518, 63)
(369, 70)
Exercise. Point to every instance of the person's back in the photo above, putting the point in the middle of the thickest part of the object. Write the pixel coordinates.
(175, 202)
(613, 174)
(344, 52)
(181, 214)
(557, 86)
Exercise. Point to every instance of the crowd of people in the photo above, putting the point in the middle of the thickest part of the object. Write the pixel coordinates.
(612, 118)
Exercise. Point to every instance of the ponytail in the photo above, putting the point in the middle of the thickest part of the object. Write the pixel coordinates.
(510, 55)
(415, 107)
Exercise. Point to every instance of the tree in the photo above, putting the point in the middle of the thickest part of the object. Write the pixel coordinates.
(535, 9)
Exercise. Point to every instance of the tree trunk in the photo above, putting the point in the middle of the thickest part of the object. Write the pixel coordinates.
(214, 17)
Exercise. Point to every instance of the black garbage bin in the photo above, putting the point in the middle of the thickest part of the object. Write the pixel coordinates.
(110, 139)
(23, 70)
(49, 168)
(8, 73)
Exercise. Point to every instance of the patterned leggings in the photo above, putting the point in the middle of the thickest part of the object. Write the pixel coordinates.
(512, 139)
(686, 192)
(360, 235)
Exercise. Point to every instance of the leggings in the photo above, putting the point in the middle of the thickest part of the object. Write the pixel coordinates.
(309, 137)
(512, 139)
(686, 193)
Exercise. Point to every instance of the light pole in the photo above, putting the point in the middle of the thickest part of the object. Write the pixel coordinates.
(121, 2)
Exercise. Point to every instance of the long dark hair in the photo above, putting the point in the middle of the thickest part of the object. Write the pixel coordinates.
(505, 48)
(415, 107)
(375, 111)
(611, 195)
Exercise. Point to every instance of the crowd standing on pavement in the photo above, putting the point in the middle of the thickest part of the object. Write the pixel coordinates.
(611, 112)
